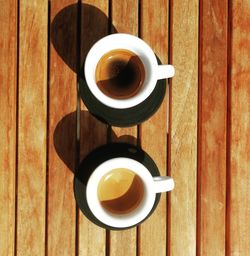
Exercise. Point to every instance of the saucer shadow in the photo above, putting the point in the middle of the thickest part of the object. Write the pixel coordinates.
(65, 140)
(75, 29)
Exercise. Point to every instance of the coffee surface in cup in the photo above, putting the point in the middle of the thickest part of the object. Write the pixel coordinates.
(120, 74)
(120, 191)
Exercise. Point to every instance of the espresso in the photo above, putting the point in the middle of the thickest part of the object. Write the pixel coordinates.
(120, 191)
(120, 74)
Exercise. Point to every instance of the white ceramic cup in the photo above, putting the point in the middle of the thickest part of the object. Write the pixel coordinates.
(153, 71)
(152, 185)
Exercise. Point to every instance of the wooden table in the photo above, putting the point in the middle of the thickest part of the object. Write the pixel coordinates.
(200, 135)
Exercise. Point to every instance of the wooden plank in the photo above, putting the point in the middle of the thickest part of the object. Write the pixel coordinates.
(184, 127)
(125, 17)
(239, 172)
(212, 140)
(32, 128)
(154, 30)
(8, 52)
(91, 238)
(124, 20)
(62, 128)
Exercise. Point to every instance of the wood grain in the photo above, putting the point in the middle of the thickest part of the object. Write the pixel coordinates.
(125, 16)
(154, 30)
(43, 122)
(213, 118)
(124, 11)
(184, 127)
(32, 128)
(239, 202)
(61, 214)
(91, 237)
(8, 56)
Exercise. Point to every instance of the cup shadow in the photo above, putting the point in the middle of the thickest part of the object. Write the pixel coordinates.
(75, 29)
(68, 147)
(64, 139)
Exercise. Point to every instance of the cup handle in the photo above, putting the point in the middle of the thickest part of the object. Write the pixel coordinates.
(163, 184)
(165, 71)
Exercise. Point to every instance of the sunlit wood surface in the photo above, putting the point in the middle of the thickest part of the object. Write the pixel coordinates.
(200, 135)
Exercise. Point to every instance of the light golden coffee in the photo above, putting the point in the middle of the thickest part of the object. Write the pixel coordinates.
(120, 191)
(120, 74)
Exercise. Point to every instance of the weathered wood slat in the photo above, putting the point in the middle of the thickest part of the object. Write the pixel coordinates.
(239, 172)
(8, 60)
(184, 127)
(61, 213)
(213, 117)
(154, 30)
(32, 128)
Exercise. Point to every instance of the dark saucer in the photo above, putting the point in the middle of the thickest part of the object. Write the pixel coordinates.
(123, 117)
(100, 155)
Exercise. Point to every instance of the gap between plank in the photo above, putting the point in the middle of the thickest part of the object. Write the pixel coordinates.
(78, 113)
(17, 122)
(47, 130)
(228, 125)
(199, 130)
(169, 123)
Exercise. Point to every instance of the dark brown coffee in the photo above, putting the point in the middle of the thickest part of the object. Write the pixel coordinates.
(120, 74)
(120, 191)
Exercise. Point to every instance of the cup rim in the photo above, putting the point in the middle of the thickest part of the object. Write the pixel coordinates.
(124, 220)
(141, 48)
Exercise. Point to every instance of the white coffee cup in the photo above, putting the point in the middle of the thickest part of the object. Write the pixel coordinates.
(153, 71)
(152, 185)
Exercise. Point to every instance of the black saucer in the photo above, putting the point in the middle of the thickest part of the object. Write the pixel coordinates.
(100, 155)
(123, 117)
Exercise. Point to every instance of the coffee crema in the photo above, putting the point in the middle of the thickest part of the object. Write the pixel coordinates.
(120, 74)
(120, 191)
